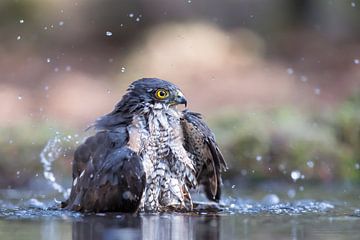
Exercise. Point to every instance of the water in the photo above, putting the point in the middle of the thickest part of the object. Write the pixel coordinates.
(270, 210)
(253, 215)
(185, 227)
(51, 152)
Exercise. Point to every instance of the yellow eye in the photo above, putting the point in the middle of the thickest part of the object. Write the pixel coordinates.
(161, 94)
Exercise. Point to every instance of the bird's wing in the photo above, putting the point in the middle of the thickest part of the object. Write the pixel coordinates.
(200, 142)
(107, 175)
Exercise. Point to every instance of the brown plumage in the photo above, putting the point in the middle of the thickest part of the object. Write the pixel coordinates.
(146, 154)
(107, 176)
(200, 141)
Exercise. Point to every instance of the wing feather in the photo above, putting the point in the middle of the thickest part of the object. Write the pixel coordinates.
(107, 175)
(200, 142)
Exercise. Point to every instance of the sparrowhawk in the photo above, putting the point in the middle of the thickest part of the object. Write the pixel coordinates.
(146, 155)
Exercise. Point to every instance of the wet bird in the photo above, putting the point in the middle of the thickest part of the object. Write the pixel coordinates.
(146, 155)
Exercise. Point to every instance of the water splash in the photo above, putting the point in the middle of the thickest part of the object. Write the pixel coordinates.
(37, 213)
(48, 155)
(277, 207)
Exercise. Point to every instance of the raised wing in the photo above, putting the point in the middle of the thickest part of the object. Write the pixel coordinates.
(200, 142)
(107, 176)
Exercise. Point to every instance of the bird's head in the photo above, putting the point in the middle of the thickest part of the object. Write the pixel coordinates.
(142, 94)
(154, 90)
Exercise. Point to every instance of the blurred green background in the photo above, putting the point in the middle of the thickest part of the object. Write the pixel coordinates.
(277, 80)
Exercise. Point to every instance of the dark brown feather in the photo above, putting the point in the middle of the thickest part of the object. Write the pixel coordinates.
(200, 141)
(107, 176)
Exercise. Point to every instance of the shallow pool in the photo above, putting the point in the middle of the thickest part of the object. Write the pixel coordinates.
(331, 214)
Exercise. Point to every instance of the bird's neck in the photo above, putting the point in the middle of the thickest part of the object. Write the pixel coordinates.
(161, 117)
(147, 128)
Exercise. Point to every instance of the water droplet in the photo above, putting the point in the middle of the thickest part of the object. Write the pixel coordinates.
(233, 186)
(131, 15)
(353, 4)
(281, 167)
(317, 91)
(18, 38)
(108, 33)
(295, 175)
(17, 172)
(357, 166)
(11, 141)
(68, 68)
(356, 61)
(21, 21)
(137, 19)
(127, 195)
(108, 91)
(189, 1)
(123, 69)
(19, 97)
(48, 60)
(75, 181)
(56, 69)
(271, 199)
(290, 71)
(357, 212)
(291, 193)
(258, 158)
(303, 78)
(61, 23)
(310, 164)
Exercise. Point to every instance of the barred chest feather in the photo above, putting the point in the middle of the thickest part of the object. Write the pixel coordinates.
(157, 136)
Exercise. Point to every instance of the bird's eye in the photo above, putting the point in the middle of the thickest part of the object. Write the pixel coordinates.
(161, 94)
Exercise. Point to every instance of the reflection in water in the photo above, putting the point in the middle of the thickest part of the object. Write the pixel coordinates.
(152, 227)
(180, 227)
(99, 227)
(238, 219)
(326, 226)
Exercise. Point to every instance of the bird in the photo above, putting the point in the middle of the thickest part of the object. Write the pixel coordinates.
(146, 155)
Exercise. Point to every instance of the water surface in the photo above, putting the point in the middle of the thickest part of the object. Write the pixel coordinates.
(25, 215)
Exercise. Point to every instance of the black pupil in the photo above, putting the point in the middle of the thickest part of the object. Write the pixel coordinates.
(162, 94)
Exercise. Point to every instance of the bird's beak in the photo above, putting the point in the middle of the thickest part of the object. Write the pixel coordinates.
(180, 98)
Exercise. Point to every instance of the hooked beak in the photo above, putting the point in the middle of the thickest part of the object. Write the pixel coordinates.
(180, 99)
